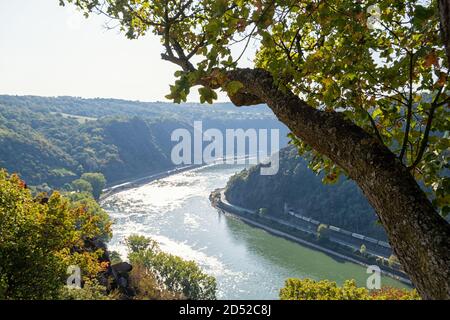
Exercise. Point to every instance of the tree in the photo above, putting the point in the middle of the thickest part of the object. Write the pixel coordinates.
(262, 211)
(39, 240)
(80, 185)
(137, 243)
(392, 261)
(322, 230)
(92, 208)
(363, 249)
(444, 11)
(115, 257)
(97, 181)
(171, 273)
(362, 88)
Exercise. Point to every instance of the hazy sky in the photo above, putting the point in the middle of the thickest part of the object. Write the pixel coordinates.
(50, 50)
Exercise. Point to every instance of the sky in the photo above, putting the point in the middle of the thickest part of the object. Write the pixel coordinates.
(48, 50)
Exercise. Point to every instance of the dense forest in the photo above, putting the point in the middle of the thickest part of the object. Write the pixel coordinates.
(52, 141)
(341, 204)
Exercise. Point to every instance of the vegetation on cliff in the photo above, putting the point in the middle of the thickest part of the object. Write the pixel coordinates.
(341, 204)
(157, 274)
(40, 237)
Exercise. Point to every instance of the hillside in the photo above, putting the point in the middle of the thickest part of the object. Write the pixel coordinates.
(341, 204)
(55, 140)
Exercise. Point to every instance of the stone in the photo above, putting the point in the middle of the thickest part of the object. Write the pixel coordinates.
(122, 267)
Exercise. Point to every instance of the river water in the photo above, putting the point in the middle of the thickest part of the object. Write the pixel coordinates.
(247, 262)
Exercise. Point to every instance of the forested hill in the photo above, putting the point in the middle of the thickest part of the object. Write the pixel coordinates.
(341, 204)
(55, 140)
(99, 108)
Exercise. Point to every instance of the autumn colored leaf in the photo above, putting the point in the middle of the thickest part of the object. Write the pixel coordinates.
(431, 59)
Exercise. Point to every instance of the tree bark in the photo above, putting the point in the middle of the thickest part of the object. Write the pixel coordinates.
(420, 237)
(444, 16)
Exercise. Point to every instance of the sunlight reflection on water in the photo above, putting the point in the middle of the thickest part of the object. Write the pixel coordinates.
(248, 263)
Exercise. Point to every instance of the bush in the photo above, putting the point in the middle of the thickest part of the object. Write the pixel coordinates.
(91, 290)
(40, 238)
(167, 273)
(115, 257)
(262, 211)
(322, 231)
(97, 182)
(308, 289)
(92, 208)
(147, 287)
(393, 261)
(136, 243)
(80, 185)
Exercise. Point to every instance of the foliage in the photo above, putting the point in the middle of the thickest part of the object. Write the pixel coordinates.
(97, 181)
(393, 260)
(363, 249)
(147, 286)
(114, 257)
(103, 221)
(81, 185)
(137, 243)
(342, 205)
(307, 289)
(91, 290)
(171, 273)
(390, 293)
(322, 230)
(40, 239)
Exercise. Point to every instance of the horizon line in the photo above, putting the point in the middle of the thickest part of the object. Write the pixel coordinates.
(105, 98)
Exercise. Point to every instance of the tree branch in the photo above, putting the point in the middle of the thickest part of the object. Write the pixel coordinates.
(444, 15)
(426, 134)
(409, 107)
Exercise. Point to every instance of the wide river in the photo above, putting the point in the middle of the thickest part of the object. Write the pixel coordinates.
(247, 262)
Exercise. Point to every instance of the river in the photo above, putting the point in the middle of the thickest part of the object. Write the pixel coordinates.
(247, 262)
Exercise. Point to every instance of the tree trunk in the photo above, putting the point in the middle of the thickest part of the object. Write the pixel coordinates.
(419, 236)
(444, 16)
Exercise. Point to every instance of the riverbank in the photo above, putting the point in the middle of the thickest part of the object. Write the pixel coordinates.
(217, 201)
(145, 180)
(137, 182)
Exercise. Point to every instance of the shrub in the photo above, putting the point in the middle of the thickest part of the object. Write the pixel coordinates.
(147, 287)
(97, 182)
(308, 289)
(40, 238)
(168, 272)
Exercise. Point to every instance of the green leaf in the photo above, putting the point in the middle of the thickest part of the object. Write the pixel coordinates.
(207, 95)
(233, 87)
(377, 112)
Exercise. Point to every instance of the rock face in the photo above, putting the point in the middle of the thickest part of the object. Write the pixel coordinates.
(117, 278)
(296, 186)
(122, 267)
